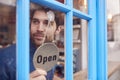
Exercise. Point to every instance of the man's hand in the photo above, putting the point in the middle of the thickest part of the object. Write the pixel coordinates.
(38, 74)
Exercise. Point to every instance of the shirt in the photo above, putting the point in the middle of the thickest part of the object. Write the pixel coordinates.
(8, 63)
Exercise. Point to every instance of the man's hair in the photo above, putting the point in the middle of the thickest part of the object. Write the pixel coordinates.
(38, 9)
(52, 26)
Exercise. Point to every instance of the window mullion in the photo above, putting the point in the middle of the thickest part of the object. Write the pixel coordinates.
(92, 41)
(69, 42)
(101, 40)
(22, 40)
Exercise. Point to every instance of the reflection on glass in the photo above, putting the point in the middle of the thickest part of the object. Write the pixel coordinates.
(80, 5)
(7, 39)
(8, 2)
(7, 23)
(110, 33)
(113, 36)
(58, 40)
(80, 49)
(61, 1)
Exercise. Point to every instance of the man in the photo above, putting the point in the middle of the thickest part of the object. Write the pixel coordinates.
(40, 32)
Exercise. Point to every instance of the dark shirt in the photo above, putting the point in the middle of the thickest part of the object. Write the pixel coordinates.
(8, 63)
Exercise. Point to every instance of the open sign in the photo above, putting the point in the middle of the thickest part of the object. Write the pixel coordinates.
(46, 56)
(44, 59)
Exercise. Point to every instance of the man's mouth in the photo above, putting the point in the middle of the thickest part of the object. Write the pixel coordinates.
(38, 36)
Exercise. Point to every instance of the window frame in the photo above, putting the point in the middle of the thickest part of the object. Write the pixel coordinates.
(97, 37)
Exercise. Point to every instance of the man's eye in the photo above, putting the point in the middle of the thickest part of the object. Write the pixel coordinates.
(35, 22)
(45, 22)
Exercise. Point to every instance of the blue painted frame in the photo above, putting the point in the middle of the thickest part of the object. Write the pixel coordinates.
(69, 42)
(101, 39)
(92, 70)
(22, 39)
(96, 17)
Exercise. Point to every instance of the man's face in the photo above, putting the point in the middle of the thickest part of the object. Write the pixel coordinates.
(39, 24)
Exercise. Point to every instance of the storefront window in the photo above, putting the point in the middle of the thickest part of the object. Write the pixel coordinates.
(113, 37)
(80, 5)
(80, 50)
(7, 23)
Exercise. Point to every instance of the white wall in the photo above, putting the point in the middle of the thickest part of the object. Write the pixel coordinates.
(113, 6)
(8, 2)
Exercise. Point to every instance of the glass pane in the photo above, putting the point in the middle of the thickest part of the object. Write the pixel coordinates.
(81, 5)
(113, 36)
(7, 39)
(54, 34)
(59, 39)
(61, 1)
(80, 51)
(7, 24)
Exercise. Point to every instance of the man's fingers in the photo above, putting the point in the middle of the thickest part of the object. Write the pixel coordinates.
(38, 72)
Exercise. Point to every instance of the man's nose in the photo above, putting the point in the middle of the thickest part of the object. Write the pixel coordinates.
(41, 27)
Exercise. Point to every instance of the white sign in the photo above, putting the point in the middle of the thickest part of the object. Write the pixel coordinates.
(46, 56)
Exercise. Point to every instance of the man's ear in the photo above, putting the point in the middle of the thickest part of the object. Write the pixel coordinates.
(50, 33)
